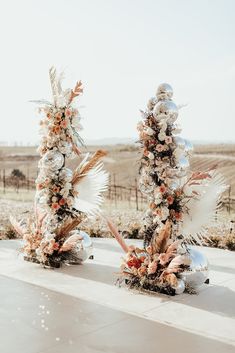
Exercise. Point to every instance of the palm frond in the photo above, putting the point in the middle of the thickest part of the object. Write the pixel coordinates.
(201, 209)
(89, 190)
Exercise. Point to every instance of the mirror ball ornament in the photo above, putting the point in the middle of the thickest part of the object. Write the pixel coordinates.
(179, 141)
(53, 160)
(198, 270)
(164, 91)
(188, 146)
(183, 163)
(151, 103)
(66, 174)
(85, 247)
(180, 287)
(165, 110)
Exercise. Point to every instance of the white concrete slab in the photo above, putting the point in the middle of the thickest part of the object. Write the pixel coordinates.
(209, 314)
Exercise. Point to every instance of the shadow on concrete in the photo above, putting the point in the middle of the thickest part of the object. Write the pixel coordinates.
(217, 299)
(94, 272)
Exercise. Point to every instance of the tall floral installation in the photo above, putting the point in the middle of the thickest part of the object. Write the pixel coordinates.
(181, 204)
(63, 197)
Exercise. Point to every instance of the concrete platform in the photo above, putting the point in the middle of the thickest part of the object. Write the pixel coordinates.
(79, 309)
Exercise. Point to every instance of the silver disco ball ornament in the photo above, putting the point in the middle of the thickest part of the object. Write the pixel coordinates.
(53, 160)
(164, 91)
(183, 163)
(41, 197)
(151, 103)
(165, 110)
(180, 287)
(85, 247)
(198, 270)
(188, 146)
(66, 174)
(180, 142)
(66, 148)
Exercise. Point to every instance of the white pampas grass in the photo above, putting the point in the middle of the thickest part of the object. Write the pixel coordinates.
(89, 189)
(202, 208)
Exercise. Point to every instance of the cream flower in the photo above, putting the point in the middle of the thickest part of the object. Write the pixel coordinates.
(161, 136)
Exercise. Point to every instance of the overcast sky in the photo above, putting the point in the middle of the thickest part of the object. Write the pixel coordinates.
(121, 50)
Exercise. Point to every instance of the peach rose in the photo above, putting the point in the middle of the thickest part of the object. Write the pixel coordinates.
(168, 139)
(63, 124)
(62, 202)
(170, 200)
(68, 113)
(159, 148)
(162, 188)
(55, 206)
(152, 267)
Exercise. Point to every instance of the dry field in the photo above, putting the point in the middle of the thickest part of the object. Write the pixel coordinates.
(122, 163)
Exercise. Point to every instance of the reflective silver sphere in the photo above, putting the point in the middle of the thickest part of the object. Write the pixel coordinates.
(66, 174)
(179, 289)
(164, 91)
(198, 271)
(183, 163)
(165, 109)
(179, 141)
(188, 146)
(151, 103)
(85, 247)
(53, 160)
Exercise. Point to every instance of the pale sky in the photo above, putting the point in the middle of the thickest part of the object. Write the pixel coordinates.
(121, 50)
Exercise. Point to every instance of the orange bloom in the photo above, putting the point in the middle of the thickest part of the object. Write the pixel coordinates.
(178, 193)
(56, 189)
(157, 212)
(57, 129)
(62, 202)
(162, 189)
(64, 124)
(40, 186)
(152, 205)
(49, 115)
(55, 206)
(58, 116)
(68, 112)
(56, 246)
(178, 216)
(170, 200)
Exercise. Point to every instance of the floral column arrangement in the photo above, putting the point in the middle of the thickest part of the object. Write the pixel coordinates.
(181, 203)
(63, 196)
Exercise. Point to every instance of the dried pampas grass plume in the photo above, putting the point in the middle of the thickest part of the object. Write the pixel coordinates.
(79, 174)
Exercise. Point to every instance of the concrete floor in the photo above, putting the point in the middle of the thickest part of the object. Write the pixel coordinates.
(78, 309)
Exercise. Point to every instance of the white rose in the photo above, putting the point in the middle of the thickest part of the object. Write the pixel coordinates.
(150, 155)
(161, 136)
(149, 131)
(178, 152)
(163, 126)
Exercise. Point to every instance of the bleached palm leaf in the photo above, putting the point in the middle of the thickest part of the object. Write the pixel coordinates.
(89, 190)
(202, 209)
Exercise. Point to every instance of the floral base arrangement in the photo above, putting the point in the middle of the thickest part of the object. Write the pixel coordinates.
(64, 197)
(181, 204)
